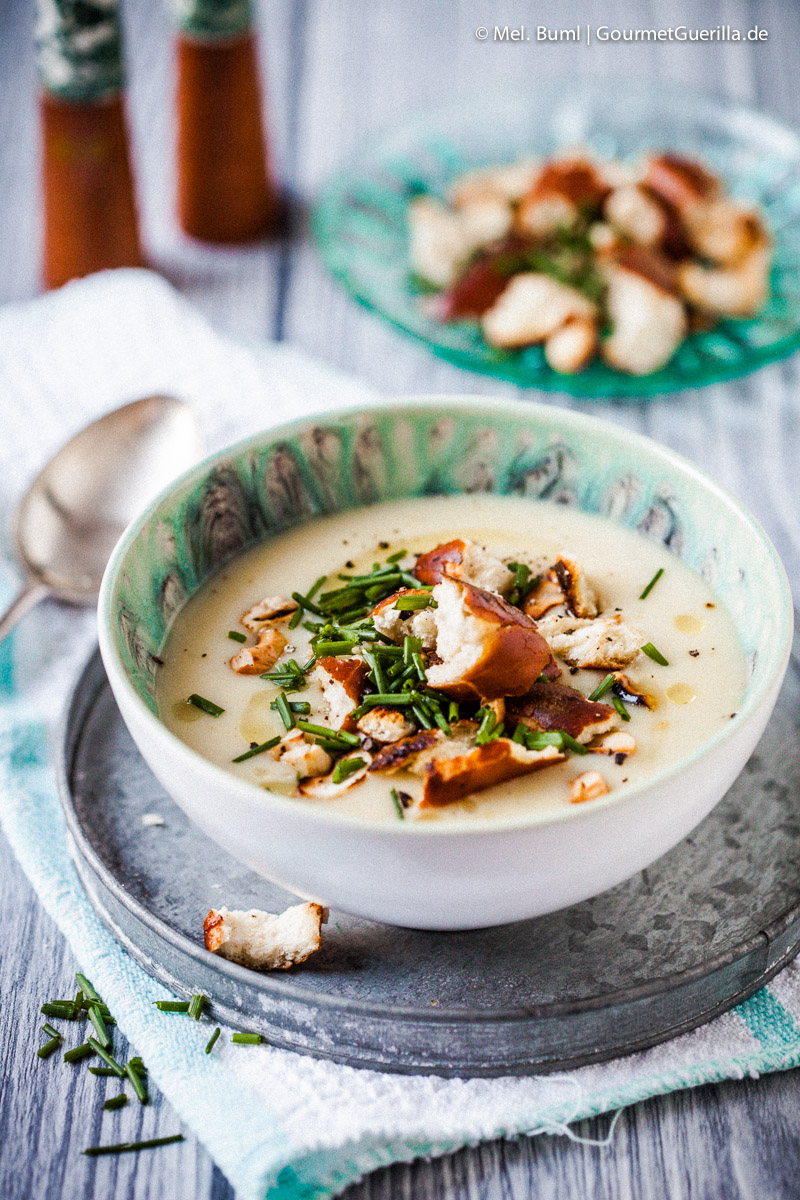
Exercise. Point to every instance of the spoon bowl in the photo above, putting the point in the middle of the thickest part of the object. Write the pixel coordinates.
(78, 506)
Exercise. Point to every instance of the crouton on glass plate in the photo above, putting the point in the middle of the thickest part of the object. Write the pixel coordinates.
(603, 239)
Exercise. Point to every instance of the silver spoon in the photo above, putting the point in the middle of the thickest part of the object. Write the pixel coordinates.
(75, 510)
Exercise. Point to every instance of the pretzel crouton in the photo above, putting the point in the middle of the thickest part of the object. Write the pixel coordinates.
(466, 561)
(587, 786)
(385, 725)
(551, 706)
(454, 777)
(342, 681)
(606, 643)
(487, 647)
(305, 758)
(263, 940)
(271, 608)
(395, 624)
(254, 660)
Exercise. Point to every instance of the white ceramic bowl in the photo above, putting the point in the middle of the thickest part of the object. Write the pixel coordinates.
(426, 875)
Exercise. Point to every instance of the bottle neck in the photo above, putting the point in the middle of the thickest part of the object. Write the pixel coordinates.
(213, 19)
(79, 48)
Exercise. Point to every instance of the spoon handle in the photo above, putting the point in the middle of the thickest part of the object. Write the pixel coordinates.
(30, 595)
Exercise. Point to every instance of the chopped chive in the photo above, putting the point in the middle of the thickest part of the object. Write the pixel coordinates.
(375, 667)
(86, 1050)
(236, 636)
(453, 713)
(94, 1015)
(422, 716)
(256, 750)
(176, 1006)
(305, 603)
(103, 1071)
(389, 698)
(649, 649)
(441, 721)
(124, 1147)
(138, 1065)
(570, 743)
(346, 767)
(115, 1102)
(247, 1039)
(137, 1083)
(522, 575)
(87, 989)
(342, 646)
(60, 1008)
(196, 1005)
(50, 1031)
(652, 583)
(49, 1047)
(212, 1040)
(539, 739)
(296, 706)
(398, 805)
(414, 603)
(420, 665)
(519, 734)
(621, 709)
(603, 686)
(107, 1058)
(337, 735)
(286, 714)
(331, 746)
(488, 721)
(395, 558)
(296, 617)
(207, 706)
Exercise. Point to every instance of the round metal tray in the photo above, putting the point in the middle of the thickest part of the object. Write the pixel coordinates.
(694, 934)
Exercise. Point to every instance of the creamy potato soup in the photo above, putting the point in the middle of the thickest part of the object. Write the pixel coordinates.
(451, 659)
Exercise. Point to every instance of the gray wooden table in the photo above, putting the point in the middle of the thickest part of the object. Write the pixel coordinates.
(337, 70)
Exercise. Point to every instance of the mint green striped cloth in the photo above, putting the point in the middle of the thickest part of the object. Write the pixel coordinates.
(294, 1127)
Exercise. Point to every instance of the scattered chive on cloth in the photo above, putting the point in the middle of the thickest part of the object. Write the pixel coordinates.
(295, 1128)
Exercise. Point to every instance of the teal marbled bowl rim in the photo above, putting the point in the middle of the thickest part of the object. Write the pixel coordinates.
(359, 219)
(540, 418)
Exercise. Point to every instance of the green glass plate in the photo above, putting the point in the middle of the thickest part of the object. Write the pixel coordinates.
(360, 221)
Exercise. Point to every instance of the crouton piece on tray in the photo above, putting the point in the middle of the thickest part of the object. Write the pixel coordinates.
(466, 561)
(606, 643)
(680, 181)
(571, 347)
(531, 308)
(648, 321)
(454, 777)
(342, 681)
(487, 647)
(550, 706)
(263, 940)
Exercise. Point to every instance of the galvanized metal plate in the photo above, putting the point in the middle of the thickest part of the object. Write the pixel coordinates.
(694, 934)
